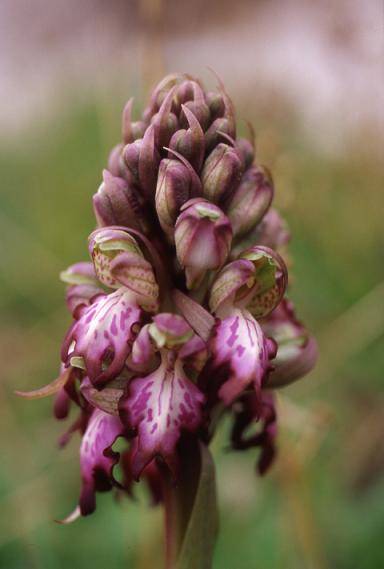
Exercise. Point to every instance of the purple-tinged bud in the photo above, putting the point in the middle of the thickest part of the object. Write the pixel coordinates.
(172, 191)
(221, 173)
(256, 281)
(184, 93)
(250, 201)
(246, 151)
(131, 130)
(118, 203)
(190, 143)
(199, 109)
(203, 237)
(215, 132)
(114, 160)
(188, 90)
(297, 349)
(229, 110)
(131, 155)
(215, 104)
(142, 161)
(159, 93)
(165, 121)
(273, 231)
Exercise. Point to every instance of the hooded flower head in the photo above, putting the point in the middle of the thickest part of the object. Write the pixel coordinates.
(180, 310)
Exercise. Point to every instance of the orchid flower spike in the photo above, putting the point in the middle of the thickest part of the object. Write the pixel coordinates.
(181, 308)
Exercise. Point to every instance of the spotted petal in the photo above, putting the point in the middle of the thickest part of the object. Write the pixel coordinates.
(97, 458)
(242, 352)
(103, 335)
(160, 406)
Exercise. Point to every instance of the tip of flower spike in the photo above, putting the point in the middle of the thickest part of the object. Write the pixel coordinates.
(72, 517)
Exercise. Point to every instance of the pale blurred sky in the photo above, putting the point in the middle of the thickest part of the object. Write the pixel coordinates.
(325, 58)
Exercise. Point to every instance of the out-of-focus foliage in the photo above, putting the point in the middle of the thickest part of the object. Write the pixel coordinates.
(322, 505)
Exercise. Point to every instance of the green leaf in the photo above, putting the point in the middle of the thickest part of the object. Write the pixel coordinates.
(195, 512)
(200, 536)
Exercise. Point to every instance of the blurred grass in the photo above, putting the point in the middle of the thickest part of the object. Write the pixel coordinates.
(316, 509)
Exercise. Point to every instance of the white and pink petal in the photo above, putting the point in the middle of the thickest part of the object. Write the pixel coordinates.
(160, 407)
(97, 458)
(240, 348)
(103, 335)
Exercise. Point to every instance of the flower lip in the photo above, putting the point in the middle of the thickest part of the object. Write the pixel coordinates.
(103, 335)
(97, 458)
(160, 406)
(241, 352)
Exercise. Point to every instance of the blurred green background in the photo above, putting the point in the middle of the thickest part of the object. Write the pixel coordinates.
(322, 505)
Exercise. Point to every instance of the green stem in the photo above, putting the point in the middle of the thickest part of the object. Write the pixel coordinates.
(190, 510)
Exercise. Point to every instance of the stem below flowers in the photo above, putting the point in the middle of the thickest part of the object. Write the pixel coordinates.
(191, 520)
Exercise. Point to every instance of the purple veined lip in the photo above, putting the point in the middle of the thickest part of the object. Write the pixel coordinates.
(97, 458)
(161, 406)
(239, 345)
(103, 335)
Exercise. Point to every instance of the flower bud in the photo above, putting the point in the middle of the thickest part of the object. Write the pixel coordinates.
(256, 281)
(115, 161)
(131, 130)
(221, 172)
(142, 160)
(251, 200)
(246, 151)
(131, 155)
(165, 121)
(105, 245)
(199, 109)
(187, 90)
(172, 191)
(118, 203)
(159, 93)
(222, 107)
(214, 133)
(203, 237)
(216, 104)
(190, 143)
(273, 231)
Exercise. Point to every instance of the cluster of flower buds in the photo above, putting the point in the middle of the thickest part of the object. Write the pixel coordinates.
(181, 315)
